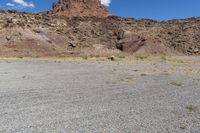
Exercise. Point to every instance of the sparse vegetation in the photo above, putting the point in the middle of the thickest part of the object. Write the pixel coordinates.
(163, 58)
(177, 61)
(35, 56)
(165, 73)
(121, 56)
(176, 83)
(85, 57)
(129, 78)
(140, 57)
(19, 57)
(94, 56)
(198, 79)
(193, 108)
(143, 74)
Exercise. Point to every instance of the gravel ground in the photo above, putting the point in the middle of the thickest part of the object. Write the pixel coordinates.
(46, 96)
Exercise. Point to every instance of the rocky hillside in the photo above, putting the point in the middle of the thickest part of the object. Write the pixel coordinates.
(41, 34)
(79, 8)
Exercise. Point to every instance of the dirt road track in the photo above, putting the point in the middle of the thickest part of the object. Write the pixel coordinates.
(45, 96)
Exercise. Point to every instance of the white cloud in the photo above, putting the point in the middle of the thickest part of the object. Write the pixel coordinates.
(105, 2)
(23, 3)
(10, 4)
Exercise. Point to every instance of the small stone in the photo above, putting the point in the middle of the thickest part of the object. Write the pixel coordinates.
(183, 126)
(73, 45)
(37, 30)
(8, 38)
(143, 74)
(196, 50)
(9, 20)
(112, 58)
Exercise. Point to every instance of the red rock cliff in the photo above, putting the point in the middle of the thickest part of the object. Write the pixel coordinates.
(79, 8)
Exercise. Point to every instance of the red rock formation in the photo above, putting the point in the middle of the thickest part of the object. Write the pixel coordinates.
(79, 8)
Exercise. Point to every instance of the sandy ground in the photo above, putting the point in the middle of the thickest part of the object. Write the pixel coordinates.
(48, 96)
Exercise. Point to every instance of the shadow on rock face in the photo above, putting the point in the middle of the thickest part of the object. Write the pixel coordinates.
(129, 42)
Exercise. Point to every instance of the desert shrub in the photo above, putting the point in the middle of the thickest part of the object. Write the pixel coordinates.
(19, 57)
(140, 57)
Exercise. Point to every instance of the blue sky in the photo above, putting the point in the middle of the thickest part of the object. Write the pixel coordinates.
(154, 9)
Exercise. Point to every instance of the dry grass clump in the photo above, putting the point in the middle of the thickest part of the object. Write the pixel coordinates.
(193, 108)
(163, 57)
(140, 56)
(19, 57)
(176, 83)
(108, 54)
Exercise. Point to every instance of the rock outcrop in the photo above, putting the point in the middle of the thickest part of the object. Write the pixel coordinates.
(79, 8)
(40, 34)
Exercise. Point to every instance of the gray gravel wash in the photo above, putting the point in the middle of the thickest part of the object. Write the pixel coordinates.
(45, 96)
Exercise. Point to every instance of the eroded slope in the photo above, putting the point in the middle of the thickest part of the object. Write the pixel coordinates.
(51, 35)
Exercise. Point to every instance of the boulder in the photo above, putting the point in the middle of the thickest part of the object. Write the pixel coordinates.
(129, 42)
